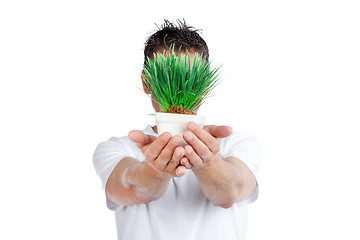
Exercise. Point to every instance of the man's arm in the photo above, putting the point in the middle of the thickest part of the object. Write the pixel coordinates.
(223, 181)
(135, 182)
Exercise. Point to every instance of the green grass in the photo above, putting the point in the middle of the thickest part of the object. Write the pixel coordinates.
(172, 81)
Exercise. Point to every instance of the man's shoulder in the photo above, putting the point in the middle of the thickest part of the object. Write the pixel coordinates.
(120, 140)
(240, 143)
(239, 137)
(116, 144)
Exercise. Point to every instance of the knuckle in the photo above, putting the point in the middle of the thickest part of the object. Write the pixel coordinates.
(157, 167)
(192, 155)
(189, 151)
(216, 148)
(196, 160)
(175, 141)
(178, 153)
(190, 137)
(164, 153)
(165, 137)
(206, 157)
(197, 163)
(149, 155)
(173, 162)
(166, 170)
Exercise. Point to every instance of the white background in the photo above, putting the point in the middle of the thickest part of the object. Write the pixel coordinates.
(70, 72)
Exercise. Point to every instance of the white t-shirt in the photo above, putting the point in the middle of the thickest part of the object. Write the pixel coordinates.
(183, 212)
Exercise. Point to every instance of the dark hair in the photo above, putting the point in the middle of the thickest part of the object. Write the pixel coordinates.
(175, 35)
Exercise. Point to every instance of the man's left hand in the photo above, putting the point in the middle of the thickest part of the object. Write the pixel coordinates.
(204, 144)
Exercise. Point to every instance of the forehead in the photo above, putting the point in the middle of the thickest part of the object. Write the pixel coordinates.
(192, 53)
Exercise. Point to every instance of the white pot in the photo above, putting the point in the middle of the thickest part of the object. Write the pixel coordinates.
(176, 123)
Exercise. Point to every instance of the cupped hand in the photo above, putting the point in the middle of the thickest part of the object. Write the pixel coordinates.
(163, 153)
(204, 144)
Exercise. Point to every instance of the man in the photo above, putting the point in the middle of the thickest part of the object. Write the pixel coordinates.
(162, 190)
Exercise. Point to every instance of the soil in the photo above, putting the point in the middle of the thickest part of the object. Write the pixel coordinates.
(180, 110)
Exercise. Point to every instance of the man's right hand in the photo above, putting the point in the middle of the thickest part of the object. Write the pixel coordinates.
(163, 153)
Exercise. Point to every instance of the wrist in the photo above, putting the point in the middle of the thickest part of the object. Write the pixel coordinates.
(215, 164)
(142, 174)
(147, 183)
(149, 170)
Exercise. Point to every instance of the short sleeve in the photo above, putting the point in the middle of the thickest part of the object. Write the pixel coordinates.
(246, 148)
(108, 154)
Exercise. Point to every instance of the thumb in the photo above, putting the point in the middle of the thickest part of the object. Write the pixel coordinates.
(219, 131)
(140, 138)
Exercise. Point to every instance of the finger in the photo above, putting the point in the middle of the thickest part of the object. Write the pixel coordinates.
(185, 162)
(219, 131)
(157, 146)
(167, 153)
(140, 138)
(180, 171)
(194, 159)
(210, 141)
(200, 148)
(175, 160)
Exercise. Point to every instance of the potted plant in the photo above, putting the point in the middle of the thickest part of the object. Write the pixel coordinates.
(179, 88)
